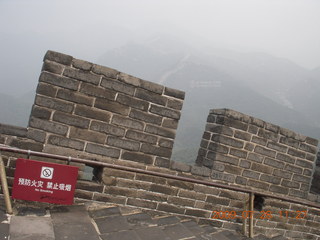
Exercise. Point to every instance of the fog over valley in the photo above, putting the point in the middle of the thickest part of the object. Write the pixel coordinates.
(259, 57)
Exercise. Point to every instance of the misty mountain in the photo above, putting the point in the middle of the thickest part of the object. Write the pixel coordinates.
(16, 110)
(258, 84)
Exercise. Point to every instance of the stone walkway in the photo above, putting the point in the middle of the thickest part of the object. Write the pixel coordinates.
(104, 222)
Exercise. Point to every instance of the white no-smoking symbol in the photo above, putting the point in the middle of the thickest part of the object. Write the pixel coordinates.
(46, 172)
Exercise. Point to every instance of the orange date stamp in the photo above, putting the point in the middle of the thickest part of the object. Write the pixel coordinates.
(260, 215)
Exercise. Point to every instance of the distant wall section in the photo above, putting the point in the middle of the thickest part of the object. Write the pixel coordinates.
(247, 151)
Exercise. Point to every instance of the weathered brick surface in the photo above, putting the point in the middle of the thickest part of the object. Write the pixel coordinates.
(271, 158)
(86, 110)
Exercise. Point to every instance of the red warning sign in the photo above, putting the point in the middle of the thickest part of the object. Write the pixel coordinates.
(44, 182)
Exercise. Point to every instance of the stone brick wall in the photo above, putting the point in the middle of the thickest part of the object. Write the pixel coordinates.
(90, 111)
(246, 151)
(84, 109)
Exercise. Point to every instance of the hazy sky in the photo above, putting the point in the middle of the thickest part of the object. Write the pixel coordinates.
(86, 29)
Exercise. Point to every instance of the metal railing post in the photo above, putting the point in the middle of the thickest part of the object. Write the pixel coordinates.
(4, 185)
(251, 207)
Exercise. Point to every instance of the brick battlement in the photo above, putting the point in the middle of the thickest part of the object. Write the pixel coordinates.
(90, 111)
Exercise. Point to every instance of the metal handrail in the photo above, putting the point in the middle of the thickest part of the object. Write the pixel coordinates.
(159, 174)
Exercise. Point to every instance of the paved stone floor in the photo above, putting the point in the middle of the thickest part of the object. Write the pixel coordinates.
(92, 221)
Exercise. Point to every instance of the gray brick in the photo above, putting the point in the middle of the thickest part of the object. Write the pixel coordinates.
(54, 104)
(162, 162)
(92, 90)
(232, 169)
(82, 75)
(26, 144)
(153, 87)
(297, 193)
(308, 148)
(261, 168)
(71, 120)
(52, 67)
(175, 104)
(133, 102)
(165, 143)
(13, 130)
(293, 169)
(223, 158)
(290, 184)
(279, 189)
(227, 141)
(75, 97)
(58, 57)
(259, 140)
(215, 128)
(77, 133)
(211, 118)
(251, 174)
(59, 81)
(160, 131)
(122, 121)
(117, 86)
(312, 141)
(289, 141)
(158, 151)
(102, 150)
(307, 172)
(273, 163)
(257, 122)
(255, 157)
(112, 106)
(46, 89)
(48, 126)
(218, 200)
(269, 135)
(146, 117)
(163, 189)
(253, 129)
(150, 97)
(80, 64)
(142, 137)
(249, 147)
(277, 147)
(92, 113)
(137, 157)
(265, 151)
(284, 157)
(126, 78)
(174, 93)
(241, 180)
(216, 147)
(270, 179)
(107, 128)
(300, 178)
(170, 208)
(65, 142)
(165, 112)
(242, 135)
(123, 144)
(179, 166)
(200, 171)
(232, 123)
(282, 174)
(245, 164)
(296, 153)
(108, 72)
(258, 184)
(36, 135)
(238, 153)
(170, 123)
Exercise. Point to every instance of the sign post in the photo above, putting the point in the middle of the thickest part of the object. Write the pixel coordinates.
(44, 182)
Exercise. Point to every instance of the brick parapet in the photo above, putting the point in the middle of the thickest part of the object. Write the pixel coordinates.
(84, 108)
(243, 150)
